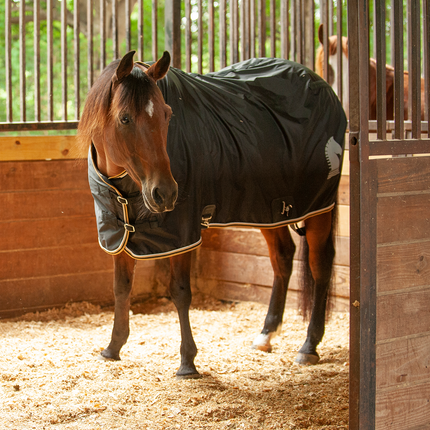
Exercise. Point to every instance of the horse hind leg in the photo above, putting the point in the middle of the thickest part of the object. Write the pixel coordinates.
(123, 281)
(281, 251)
(320, 256)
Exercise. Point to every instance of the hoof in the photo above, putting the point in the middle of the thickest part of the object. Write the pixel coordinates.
(187, 372)
(106, 355)
(307, 359)
(262, 343)
(188, 376)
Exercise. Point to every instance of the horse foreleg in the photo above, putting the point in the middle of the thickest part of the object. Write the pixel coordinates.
(123, 281)
(180, 292)
(321, 256)
(281, 251)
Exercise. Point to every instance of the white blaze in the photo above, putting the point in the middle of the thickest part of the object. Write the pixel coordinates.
(150, 108)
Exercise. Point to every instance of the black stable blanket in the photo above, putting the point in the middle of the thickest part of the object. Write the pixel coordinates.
(257, 144)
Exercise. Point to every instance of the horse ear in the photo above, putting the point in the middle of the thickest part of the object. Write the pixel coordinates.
(321, 34)
(124, 68)
(159, 69)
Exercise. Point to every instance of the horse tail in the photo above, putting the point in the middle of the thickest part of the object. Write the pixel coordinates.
(307, 283)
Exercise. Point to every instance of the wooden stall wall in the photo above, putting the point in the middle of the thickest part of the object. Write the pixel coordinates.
(49, 253)
(403, 294)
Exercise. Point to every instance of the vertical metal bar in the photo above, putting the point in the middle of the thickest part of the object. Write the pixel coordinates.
(381, 59)
(155, 29)
(415, 70)
(127, 26)
(22, 64)
(76, 32)
(325, 20)
(140, 40)
(262, 28)
(339, 30)
(64, 57)
(223, 34)
(50, 71)
(426, 15)
(234, 32)
(102, 35)
(272, 28)
(90, 46)
(392, 38)
(309, 32)
(408, 108)
(36, 49)
(399, 126)
(285, 36)
(172, 20)
(300, 38)
(8, 59)
(211, 36)
(252, 37)
(200, 37)
(293, 19)
(188, 36)
(330, 17)
(115, 29)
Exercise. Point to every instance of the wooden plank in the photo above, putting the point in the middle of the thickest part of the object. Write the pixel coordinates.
(402, 266)
(343, 193)
(403, 314)
(24, 148)
(49, 232)
(403, 408)
(403, 174)
(44, 175)
(53, 261)
(251, 269)
(46, 204)
(44, 292)
(403, 362)
(403, 218)
(251, 241)
(233, 291)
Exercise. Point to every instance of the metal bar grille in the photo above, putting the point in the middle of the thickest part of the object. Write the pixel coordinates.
(214, 34)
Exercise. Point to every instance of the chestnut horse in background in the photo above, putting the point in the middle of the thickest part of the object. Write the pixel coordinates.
(125, 122)
(333, 77)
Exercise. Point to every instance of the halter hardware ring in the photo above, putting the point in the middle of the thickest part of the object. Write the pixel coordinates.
(130, 228)
(122, 200)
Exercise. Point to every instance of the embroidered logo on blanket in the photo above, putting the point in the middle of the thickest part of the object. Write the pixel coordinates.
(333, 152)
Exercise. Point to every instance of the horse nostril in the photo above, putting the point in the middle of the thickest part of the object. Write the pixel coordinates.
(157, 196)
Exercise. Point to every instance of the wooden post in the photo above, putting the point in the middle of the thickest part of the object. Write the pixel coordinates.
(172, 20)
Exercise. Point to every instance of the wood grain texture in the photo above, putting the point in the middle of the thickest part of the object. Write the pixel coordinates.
(53, 261)
(403, 314)
(251, 269)
(403, 362)
(403, 218)
(46, 204)
(402, 266)
(44, 175)
(403, 408)
(398, 175)
(35, 294)
(47, 232)
(24, 148)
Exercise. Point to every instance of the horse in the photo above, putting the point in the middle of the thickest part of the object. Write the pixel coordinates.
(257, 144)
(333, 77)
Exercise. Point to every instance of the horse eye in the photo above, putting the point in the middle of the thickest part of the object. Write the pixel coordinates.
(125, 119)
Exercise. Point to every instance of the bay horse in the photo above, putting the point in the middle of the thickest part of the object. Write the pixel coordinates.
(258, 144)
(333, 77)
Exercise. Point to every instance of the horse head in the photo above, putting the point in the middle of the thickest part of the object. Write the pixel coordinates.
(127, 120)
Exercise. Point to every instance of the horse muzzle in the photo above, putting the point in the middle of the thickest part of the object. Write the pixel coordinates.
(161, 198)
